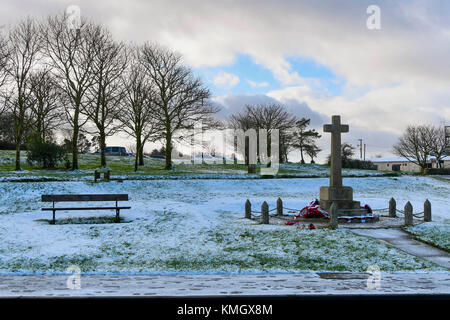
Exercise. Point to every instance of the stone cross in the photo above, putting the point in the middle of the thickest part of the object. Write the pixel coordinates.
(336, 128)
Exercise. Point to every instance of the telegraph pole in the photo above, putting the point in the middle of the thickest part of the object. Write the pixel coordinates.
(360, 148)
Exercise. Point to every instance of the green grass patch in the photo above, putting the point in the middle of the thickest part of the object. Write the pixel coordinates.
(84, 220)
(433, 233)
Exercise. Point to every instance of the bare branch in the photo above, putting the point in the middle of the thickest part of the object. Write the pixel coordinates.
(71, 56)
(24, 54)
(106, 91)
(181, 99)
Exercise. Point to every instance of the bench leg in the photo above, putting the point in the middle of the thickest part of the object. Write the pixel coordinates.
(117, 216)
(53, 221)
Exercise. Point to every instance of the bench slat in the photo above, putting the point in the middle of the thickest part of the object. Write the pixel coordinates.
(83, 197)
(85, 208)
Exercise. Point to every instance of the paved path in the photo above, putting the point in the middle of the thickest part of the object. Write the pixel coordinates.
(226, 285)
(404, 241)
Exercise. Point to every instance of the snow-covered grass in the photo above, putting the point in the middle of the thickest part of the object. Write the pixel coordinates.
(123, 168)
(435, 233)
(186, 226)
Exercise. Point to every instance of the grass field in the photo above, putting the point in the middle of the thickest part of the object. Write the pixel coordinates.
(123, 168)
(197, 226)
(435, 233)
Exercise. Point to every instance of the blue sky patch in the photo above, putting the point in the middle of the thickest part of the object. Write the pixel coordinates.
(256, 79)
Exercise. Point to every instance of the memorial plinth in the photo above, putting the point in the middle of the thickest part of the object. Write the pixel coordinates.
(342, 196)
(336, 192)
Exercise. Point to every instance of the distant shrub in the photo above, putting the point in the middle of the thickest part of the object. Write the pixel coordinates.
(46, 154)
(359, 164)
(438, 171)
(5, 145)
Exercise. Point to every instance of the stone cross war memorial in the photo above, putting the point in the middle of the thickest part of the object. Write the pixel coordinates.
(336, 193)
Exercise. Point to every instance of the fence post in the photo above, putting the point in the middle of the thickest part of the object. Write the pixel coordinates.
(265, 213)
(333, 216)
(427, 211)
(248, 209)
(408, 214)
(279, 207)
(392, 208)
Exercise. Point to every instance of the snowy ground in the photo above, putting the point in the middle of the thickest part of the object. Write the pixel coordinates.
(123, 168)
(434, 233)
(196, 226)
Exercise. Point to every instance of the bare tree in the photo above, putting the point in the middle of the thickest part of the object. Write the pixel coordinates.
(181, 99)
(71, 58)
(24, 54)
(438, 144)
(416, 145)
(264, 116)
(46, 110)
(4, 58)
(106, 91)
(136, 115)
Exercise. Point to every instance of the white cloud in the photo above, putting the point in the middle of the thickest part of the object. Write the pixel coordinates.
(226, 80)
(395, 76)
(378, 116)
(413, 43)
(235, 103)
(255, 84)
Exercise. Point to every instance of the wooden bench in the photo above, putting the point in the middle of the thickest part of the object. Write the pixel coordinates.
(87, 198)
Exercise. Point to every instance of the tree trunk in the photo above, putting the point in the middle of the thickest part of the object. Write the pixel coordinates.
(141, 154)
(76, 130)
(138, 153)
(424, 167)
(168, 153)
(75, 149)
(18, 156)
(102, 150)
(301, 154)
(136, 158)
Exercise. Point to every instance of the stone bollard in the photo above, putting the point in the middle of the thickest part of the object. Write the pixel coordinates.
(408, 214)
(248, 209)
(279, 207)
(427, 211)
(265, 213)
(333, 216)
(105, 175)
(392, 208)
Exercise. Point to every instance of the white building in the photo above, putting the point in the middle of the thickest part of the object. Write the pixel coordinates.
(402, 164)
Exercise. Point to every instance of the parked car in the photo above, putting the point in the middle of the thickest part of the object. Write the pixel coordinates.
(157, 157)
(114, 151)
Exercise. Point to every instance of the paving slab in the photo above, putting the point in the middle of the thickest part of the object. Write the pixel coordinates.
(404, 241)
(303, 284)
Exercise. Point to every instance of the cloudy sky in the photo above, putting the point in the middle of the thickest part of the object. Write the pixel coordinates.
(318, 58)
